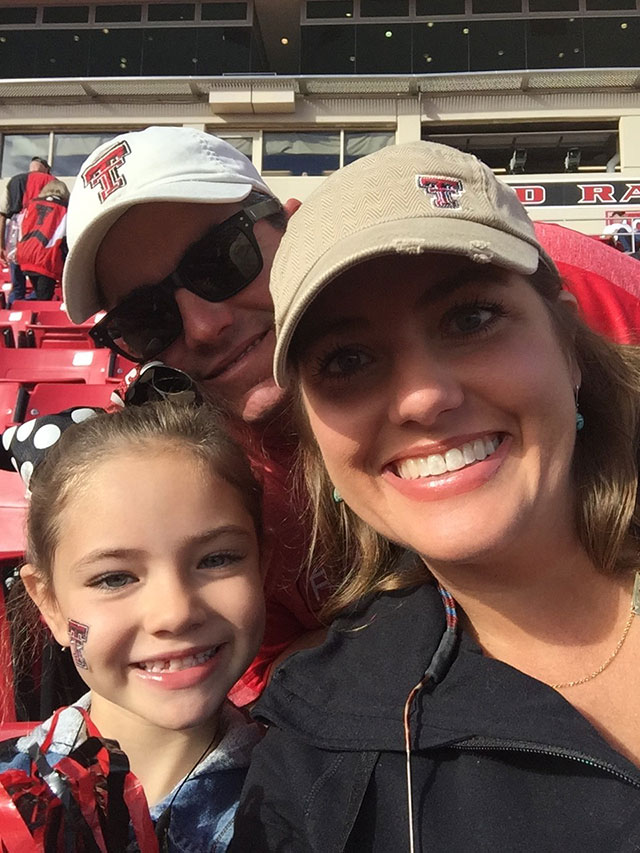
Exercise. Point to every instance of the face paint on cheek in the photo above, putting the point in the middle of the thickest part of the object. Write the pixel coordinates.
(78, 634)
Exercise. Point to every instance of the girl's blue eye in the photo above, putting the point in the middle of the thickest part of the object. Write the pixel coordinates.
(115, 580)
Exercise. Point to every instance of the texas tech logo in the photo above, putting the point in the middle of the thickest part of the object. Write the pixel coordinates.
(104, 175)
(444, 192)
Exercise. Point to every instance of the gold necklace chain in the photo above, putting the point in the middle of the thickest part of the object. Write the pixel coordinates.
(635, 608)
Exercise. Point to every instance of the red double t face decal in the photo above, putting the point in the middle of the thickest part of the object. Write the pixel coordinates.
(444, 192)
(78, 634)
(104, 175)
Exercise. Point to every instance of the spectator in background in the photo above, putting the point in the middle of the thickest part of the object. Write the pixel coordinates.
(20, 190)
(42, 247)
(619, 232)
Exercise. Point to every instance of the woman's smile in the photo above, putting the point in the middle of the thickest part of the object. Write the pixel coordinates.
(438, 391)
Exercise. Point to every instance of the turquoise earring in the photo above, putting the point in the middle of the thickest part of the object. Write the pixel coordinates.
(579, 416)
(337, 497)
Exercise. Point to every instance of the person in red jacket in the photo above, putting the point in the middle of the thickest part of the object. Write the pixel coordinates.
(42, 248)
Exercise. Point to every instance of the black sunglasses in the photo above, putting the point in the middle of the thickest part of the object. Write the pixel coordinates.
(219, 265)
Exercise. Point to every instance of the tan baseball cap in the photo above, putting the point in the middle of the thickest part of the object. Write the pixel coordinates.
(405, 199)
(155, 164)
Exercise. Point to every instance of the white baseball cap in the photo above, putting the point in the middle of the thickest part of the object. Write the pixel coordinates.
(155, 164)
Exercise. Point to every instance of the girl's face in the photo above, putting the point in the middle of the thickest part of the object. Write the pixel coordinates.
(158, 565)
(442, 403)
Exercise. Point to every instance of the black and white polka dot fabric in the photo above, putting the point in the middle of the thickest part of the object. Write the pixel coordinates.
(28, 443)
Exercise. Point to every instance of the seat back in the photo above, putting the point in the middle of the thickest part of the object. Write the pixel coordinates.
(31, 366)
(51, 397)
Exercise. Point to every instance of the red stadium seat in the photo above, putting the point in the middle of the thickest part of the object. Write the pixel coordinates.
(49, 398)
(11, 729)
(13, 504)
(13, 399)
(13, 327)
(31, 366)
(35, 305)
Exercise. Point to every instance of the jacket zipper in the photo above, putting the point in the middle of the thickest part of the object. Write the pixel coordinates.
(482, 744)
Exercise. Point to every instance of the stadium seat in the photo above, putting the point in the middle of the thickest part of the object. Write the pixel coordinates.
(13, 400)
(13, 504)
(32, 366)
(51, 397)
(35, 305)
(13, 327)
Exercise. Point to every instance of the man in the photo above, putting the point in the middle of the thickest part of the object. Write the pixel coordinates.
(138, 212)
(20, 190)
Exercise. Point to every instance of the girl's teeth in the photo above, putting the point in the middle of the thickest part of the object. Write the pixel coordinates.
(452, 460)
(176, 664)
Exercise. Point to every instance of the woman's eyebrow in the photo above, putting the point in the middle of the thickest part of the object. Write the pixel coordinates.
(458, 280)
(315, 332)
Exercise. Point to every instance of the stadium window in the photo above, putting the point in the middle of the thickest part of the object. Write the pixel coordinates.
(554, 5)
(224, 12)
(243, 144)
(383, 48)
(70, 150)
(223, 50)
(610, 5)
(118, 14)
(169, 51)
(489, 7)
(328, 49)
(537, 151)
(497, 45)
(300, 153)
(24, 15)
(440, 7)
(115, 52)
(360, 143)
(63, 53)
(555, 43)
(384, 8)
(65, 14)
(611, 42)
(171, 11)
(330, 8)
(440, 46)
(19, 148)
(18, 50)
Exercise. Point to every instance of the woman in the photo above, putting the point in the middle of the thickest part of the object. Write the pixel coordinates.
(486, 698)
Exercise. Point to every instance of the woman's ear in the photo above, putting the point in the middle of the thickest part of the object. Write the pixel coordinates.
(42, 596)
(570, 301)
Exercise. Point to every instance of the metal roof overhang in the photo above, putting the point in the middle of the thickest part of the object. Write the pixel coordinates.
(198, 88)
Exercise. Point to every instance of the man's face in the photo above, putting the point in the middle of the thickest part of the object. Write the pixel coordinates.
(227, 347)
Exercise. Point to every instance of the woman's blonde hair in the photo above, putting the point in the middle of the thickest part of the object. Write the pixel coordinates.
(605, 468)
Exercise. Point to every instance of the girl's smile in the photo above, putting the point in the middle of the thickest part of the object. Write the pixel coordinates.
(172, 602)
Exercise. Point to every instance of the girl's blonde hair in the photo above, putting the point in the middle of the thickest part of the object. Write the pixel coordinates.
(605, 468)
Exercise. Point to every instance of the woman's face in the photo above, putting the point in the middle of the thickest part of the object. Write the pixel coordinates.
(443, 404)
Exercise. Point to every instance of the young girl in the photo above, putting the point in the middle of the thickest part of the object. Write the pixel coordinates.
(144, 560)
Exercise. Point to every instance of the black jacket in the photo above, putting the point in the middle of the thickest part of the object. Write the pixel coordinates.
(500, 761)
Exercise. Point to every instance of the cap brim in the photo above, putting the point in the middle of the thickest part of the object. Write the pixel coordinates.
(79, 285)
(404, 237)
